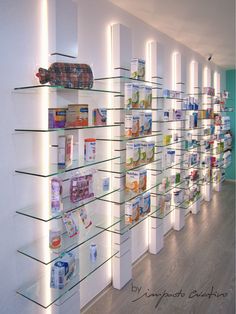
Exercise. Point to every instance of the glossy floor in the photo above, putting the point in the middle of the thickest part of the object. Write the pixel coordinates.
(195, 269)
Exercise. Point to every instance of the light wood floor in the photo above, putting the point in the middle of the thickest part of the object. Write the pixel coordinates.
(199, 257)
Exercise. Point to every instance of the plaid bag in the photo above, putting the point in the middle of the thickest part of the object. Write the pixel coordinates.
(70, 75)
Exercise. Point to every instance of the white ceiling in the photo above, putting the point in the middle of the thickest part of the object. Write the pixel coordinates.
(206, 26)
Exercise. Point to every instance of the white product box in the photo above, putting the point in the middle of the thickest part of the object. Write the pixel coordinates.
(132, 125)
(132, 211)
(148, 123)
(132, 154)
(150, 151)
(138, 68)
(131, 95)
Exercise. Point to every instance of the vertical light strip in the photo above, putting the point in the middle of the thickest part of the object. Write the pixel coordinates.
(192, 77)
(44, 145)
(109, 134)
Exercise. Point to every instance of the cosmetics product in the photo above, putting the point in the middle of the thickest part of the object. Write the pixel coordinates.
(137, 69)
(178, 115)
(93, 252)
(86, 220)
(56, 118)
(131, 95)
(89, 149)
(132, 154)
(65, 151)
(56, 194)
(77, 116)
(166, 116)
(62, 270)
(106, 184)
(55, 237)
(100, 116)
(167, 139)
(81, 187)
(70, 223)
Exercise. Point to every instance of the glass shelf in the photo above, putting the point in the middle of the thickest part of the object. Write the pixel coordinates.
(121, 197)
(168, 98)
(170, 188)
(124, 79)
(53, 169)
(126, 139)
(168, 121)
(162, 145)
(187, 129)
(38, 212)
(162, 214)
(66, 89)
(122, 227)
(123, 168)
(187, 204)
(36, 292)
(68, 129)
(40, 251)
(185, 185)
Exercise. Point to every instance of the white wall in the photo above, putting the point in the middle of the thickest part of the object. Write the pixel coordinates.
(20, 57)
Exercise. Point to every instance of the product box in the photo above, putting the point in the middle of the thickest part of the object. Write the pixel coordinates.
(132, 154)
(56, 118)
(145, 96)
(76, 116)
(65, 151)
(89, 149)
(137, 69)
(178, 115)
(136, 181)
(62, 270)
(132, 211)
(209, 91)
(81, 187)
(167, 139)
(100, 116)
(132, 125)
(148, 123)
(150, 151)
(145, 203)
(131, 95)
(143, 152)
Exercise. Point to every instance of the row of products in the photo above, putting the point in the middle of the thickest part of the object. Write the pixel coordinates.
(138, 124)
(191, 121)
(139, 153)
(81, 188)
(167, 139)
(64, 268)
(167, 115)
(168, 93)
(138, 207)
(210, 91)
(65, 150)
(169, 182)
(70, 225)
(76, 115)
(190, 103)
(138, 96)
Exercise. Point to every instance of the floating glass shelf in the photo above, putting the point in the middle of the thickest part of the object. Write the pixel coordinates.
(39, 250)
(68, 129)
(187, 129)
(38, 211)
(121, 168)
(122, 227)
(185, 185)
(168, 121)
(61, 88)
(122, 196)
(168, 98)
(170, 188)
(166, 145)
(126, 139)
(124, 79)
(53, 169)
(187, 204)
(162, 214)
(40, 291)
